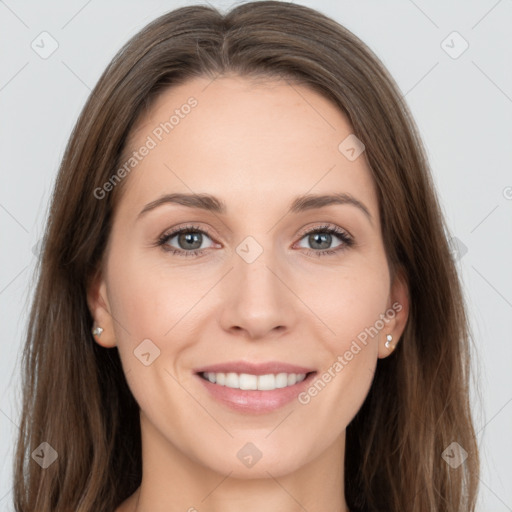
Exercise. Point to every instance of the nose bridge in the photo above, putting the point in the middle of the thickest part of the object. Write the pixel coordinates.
(258, 301)
(253, 263)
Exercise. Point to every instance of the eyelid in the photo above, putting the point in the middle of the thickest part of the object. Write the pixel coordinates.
(323, 227)
(346, 239)
(171, 233)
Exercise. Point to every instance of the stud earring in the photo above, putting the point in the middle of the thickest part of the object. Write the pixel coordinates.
(97, 331)
(389, 338)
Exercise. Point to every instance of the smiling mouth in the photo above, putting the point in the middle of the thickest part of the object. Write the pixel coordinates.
(251, 382)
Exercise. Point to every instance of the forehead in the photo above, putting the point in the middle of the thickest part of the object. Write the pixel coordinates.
(246, 142)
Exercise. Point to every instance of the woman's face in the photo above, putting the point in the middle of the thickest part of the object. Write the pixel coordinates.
(248, 282)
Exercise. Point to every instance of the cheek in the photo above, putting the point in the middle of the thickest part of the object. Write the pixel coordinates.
(353, 307)
(150, 300)
(349, 302)
(151, 305)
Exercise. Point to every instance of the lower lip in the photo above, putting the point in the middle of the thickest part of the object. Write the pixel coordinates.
(255, 401)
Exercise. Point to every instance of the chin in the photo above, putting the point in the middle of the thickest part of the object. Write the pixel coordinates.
(250, 462)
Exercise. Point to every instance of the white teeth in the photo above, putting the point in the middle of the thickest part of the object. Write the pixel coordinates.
(231, 380)
(247, 381)
(281, 380)
(266, 382)
(292, 379)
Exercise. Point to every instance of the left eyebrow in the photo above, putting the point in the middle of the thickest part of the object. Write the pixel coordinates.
(299, 204)
(311, 201)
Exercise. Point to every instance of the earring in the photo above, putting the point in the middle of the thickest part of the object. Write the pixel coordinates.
(97, 331)
(389, 338)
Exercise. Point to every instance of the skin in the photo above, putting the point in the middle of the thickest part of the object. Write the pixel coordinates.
(256, 146)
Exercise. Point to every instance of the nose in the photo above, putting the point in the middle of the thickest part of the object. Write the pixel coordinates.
(257, 299)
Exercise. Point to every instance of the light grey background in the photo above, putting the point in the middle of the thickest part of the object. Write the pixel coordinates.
(463, 107)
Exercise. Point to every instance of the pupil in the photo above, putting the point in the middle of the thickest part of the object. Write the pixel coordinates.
(190, 238)
(325, 238)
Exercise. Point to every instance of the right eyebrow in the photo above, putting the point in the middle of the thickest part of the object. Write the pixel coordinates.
(203, 201)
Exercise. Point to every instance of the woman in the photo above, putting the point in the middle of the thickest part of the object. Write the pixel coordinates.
(246, 297)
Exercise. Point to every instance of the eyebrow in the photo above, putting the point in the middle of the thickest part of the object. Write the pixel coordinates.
(299, 204)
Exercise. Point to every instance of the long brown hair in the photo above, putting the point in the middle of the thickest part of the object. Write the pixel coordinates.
(75, 396)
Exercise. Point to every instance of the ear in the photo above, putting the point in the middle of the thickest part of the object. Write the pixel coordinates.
(97, 300)
(397, 313)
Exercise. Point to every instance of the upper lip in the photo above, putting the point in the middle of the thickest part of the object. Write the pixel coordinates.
(254, 368)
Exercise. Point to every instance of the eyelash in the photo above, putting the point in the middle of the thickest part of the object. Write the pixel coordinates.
(347, 240)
